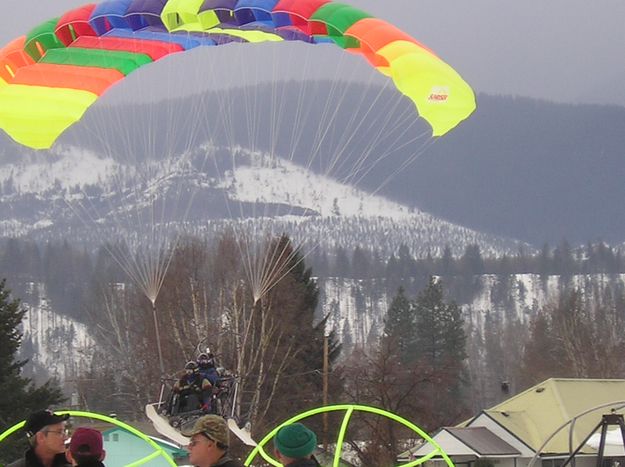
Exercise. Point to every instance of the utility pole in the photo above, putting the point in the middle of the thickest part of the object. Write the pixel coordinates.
(325, 392)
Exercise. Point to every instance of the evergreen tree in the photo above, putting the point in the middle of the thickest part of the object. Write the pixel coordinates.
(342, 266)
(472, 262)
(440, 333)
(440, 344)
(361, 264)
(447, 262)
(285, 323)
(542, 357)
(399, 325)
(494, 358)
(406, 263)
(19, 394)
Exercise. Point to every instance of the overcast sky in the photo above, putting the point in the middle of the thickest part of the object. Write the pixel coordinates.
(561, 50)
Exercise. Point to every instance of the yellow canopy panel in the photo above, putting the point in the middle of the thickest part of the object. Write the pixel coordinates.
(35, 116)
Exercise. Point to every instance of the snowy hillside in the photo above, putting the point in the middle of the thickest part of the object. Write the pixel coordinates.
(60, 347)
(357, 307)
(79, 196)
(57, 346)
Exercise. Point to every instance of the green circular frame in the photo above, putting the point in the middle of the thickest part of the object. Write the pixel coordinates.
(349, 409)
(158, 451)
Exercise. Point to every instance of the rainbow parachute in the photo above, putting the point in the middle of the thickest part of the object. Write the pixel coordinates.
(50, 77)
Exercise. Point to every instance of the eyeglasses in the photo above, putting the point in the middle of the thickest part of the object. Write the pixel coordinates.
(63, 433)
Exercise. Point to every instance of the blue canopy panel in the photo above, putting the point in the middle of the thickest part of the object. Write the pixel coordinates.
(111, 14)
(281, 19)
(186, 41)
(248, 11)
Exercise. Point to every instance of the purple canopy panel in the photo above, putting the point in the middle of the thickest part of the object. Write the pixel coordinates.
(290, 33)
(148, 11)
(224, 9)
(244, 16)
(157, 28)
(265, 26)
(218, 5)
(202, 39)
(221, 39)
(287, 33)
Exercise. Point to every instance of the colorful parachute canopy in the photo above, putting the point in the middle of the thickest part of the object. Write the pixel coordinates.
(51, 76)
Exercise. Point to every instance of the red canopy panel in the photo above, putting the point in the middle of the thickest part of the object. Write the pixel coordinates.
(74, 24)
(154, 49)
(300, 12)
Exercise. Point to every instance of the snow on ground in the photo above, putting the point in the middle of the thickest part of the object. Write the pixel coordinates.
(60, 345)
(355, 309)
(287, 183)
(66, 168)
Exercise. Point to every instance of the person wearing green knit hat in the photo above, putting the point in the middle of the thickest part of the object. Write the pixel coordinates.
(294, 445)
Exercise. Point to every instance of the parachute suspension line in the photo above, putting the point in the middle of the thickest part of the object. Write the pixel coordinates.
(356, 122)
(134, 273)
(266, 268)
(226, 112)
(374, 136)
(426, 144)
(276, 261)
(265, 256)
(280, 267)
(336, 102)
(366, 163)
(378, 135)
(245, 241)
(146, 257)
(326, 121)
(158, 339)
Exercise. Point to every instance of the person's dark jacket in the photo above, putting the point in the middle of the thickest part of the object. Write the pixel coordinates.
(304, 463)
(227, 461)
(30, 459)
(90, 463)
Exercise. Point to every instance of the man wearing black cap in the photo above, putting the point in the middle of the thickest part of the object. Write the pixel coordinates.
(294, 445)
(46, 435)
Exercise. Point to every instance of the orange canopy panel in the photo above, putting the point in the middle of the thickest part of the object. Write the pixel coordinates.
(154, 49)
(12, 57)
(92, 79)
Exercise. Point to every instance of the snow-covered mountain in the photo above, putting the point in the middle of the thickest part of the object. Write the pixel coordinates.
(88, 198)
(84, 197)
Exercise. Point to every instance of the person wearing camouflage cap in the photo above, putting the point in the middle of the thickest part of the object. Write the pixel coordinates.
(209, 443)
